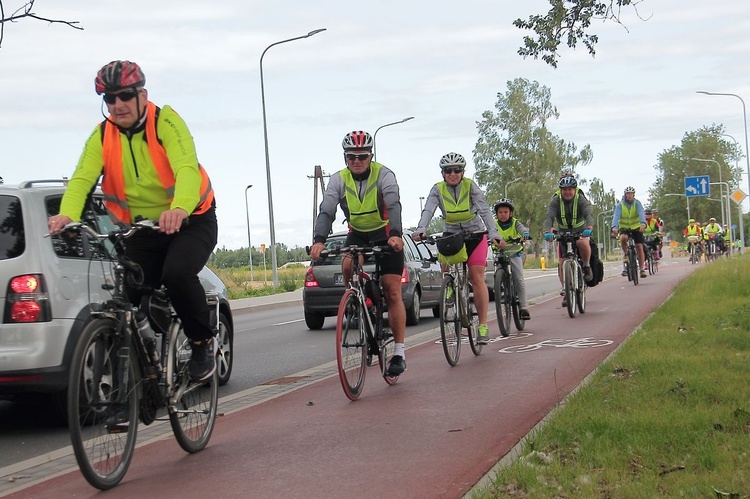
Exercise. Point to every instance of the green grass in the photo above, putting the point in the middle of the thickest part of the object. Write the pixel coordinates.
(667, 416)
(239, 285)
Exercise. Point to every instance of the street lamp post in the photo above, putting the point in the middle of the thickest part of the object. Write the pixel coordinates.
(599, 231)
(720, 183)
(688, 201)
(739, 205)
(268, 162)
(249, 244)
(729, 212)
(375, 135)
(421, 198)
(744, 119)
(512, 181)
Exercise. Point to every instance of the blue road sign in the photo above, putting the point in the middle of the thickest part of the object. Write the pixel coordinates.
(697, 186)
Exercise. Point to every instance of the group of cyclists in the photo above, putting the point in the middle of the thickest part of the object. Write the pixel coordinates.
(700, 236)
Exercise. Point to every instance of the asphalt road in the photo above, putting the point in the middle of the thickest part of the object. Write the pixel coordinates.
(298, 436)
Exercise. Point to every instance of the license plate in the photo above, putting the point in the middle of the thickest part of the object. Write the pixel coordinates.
(338, 279)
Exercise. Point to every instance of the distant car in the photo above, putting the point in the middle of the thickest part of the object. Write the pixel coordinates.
(324, 285)
(46, 285)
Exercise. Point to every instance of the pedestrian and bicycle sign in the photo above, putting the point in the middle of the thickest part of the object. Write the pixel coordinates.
(697, 186)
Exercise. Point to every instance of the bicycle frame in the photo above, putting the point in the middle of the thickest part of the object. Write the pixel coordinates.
(118, 373)
(355, 348)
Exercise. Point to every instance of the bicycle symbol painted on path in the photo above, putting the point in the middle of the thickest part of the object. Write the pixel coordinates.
(558, 343)
(516, 336)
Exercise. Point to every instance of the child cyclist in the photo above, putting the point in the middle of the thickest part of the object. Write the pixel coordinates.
(511, 228)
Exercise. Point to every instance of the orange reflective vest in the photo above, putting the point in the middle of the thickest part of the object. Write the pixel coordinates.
(113, 181)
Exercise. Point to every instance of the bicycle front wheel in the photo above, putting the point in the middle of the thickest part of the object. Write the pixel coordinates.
(192, 413)
(502, 302)
(102, 404)
(569, 276)
(515, 305)
(351, 350)
(450, 321)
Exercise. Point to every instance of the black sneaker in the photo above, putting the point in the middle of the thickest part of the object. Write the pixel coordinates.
(565, 302)
(119, 421)
(203, 360)
(525, 315)
(396, 366)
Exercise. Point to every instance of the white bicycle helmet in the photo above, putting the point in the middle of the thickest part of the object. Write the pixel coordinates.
(357, 140)
(630, 189)
(452, 159)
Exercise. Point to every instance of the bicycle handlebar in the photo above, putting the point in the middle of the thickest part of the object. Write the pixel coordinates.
(359, 250)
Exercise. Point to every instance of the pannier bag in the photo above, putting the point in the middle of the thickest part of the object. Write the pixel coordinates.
(597, 266)
(451, 249)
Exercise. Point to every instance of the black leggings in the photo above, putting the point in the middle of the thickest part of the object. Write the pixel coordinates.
(175, 261)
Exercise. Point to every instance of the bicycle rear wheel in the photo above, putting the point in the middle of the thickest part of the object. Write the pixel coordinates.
(193, 413)
(502, 302)
(515, 305)
(633, 270)
(387, 346)
(473, 330)
(581, 291)
(569, 275)
(450, 320)
(102, 430)
(351, 349)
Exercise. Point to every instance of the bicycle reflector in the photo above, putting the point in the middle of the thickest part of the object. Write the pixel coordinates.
(27, 300)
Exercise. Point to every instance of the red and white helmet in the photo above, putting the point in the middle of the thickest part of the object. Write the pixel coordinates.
(118, 75)
(357, 140)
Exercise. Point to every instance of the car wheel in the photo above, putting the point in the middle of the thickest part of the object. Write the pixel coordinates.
(226, 358)
(314, 320)
(412, 313)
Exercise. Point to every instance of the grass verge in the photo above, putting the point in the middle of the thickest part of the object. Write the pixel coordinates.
(668, 415)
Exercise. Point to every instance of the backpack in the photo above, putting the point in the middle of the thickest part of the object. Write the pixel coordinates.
(597, 266)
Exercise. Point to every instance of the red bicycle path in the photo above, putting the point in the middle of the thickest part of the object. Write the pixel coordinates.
(434, 434)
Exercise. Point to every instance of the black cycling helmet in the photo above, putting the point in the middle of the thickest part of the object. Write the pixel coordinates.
(648, 211)
(504, 202)
(568, 180)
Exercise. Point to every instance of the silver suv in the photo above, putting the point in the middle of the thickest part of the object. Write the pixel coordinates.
(46, 285)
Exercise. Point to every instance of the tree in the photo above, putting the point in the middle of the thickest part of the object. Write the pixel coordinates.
(570, 19)
(26, 11)
(668, 192)
(514, 142)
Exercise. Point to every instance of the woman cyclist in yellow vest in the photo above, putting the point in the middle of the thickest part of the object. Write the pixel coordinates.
(369, 197)
(465, 210)
(150, 171)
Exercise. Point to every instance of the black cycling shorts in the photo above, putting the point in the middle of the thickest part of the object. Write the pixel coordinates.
(390, 262)
(636, 234)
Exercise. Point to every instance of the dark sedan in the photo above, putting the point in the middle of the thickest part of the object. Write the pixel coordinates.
(324, 284)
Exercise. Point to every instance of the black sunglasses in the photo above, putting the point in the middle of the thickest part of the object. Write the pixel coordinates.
(448, 171)
(123, 96)
(361, 157)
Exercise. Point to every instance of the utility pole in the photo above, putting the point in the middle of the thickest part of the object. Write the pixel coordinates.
(318, 181)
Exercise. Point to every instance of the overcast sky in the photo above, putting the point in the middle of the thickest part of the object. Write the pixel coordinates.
(441, 62)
